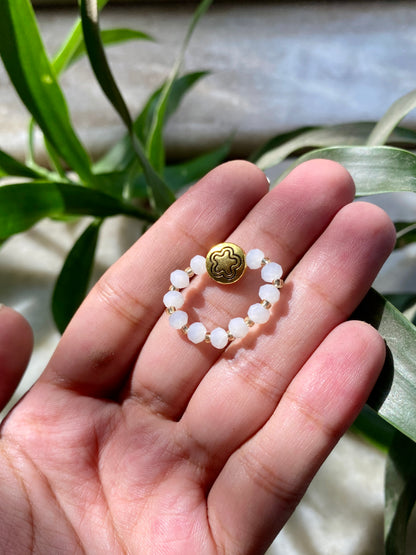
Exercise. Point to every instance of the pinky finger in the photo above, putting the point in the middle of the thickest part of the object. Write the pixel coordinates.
(264, 480)
(16, 343)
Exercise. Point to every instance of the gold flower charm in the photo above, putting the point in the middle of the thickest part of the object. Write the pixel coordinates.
(226, 263)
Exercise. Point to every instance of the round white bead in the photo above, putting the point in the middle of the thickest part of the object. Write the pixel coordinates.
(198, 265)
(178, 319)
(173, 299)
(197, 332)
(219, 338)
(179, 279)
(269, 293)
(271, 271)
(258, 314)
(238, 328)
(254, 258)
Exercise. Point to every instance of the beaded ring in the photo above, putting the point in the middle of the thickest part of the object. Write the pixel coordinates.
(225, 263)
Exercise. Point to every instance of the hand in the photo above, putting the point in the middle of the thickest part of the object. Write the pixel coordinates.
(135, 440)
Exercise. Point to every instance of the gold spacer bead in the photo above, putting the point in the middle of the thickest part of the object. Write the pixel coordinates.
(248, 322)
(189, 271)
(207, 338)
(230, 336)
(265, 261)
(173, 288)
(170, 309)
(278, 283)
(266, 304)
(185, 329)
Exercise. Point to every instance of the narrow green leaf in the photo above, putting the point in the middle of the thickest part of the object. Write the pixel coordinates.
(160, 195)
(177, 176)
(374, 429)
(394, 395)
(180, 175)
(279, 140)
(72, 283)
(31, 73)
(98, 59)
(400, 493)
(284, 145)
(376, 169)
(154, 145)
(70, 46)
(406, 234)
(180, 87)
(55, 161)
(113, 183)
(344, 134)
(122, 153)
(397, 111)
(24, 204)
(11, 166)
(111, 37)
(402, 301)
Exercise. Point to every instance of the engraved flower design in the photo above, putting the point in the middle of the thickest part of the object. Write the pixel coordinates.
(226, 264)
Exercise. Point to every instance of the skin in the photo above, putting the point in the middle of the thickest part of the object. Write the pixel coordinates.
(134, 440)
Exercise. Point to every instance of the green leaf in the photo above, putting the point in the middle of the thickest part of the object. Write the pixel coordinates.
(397, 111)
(98, 59)
(11, 166)
(405, 234)
(154, 145)
(110, 37)
(374, 429)
(284, 145)
(177, 176)
(402, 301)
(376, 169)
(24, 204)
(31, 73)
(180, 175)
(394, 395)
(55, 161)
(71, 45)
(122, 154)
(160, 195)
(113, 183)
(400, 493)
(72, 283)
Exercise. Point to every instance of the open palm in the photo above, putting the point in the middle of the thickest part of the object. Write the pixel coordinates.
(135, 440)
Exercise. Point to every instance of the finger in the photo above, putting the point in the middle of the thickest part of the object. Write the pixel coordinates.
(16, 343)
(274, 468)
(241, 392)
(102, 341)
(283, 224)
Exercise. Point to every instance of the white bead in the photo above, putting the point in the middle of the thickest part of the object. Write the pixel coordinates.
(269, 293)
(179, 279)
(271, 271)
(254, 258)
(238, 328)
(178, 319)
(258, 314)
(197, 332)
(219, 338)
(198, 265)
(173, 299)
